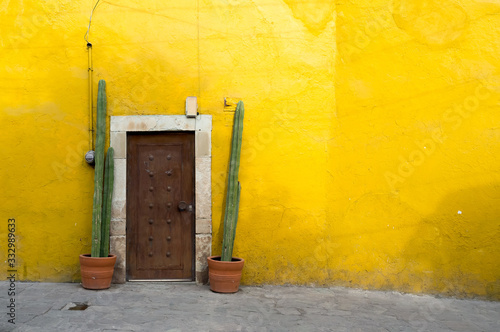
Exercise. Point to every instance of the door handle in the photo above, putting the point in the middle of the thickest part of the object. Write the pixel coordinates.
(183, 206)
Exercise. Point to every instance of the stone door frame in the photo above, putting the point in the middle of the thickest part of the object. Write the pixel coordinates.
(202, 127)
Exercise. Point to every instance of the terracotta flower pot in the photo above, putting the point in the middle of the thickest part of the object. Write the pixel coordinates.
(97, 272)
(224, 276)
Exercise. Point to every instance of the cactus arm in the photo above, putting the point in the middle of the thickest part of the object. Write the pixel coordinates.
(99, 168)
(237, 208)
(228, 241)
(229, 210)
(232, 197)
(107, 200)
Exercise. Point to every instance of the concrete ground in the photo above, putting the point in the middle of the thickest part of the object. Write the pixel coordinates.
(188, 307)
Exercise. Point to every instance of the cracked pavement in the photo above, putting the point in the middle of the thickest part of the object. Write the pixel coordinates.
(139, 306)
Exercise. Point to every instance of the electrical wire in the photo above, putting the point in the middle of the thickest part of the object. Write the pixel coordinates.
(87, 34)
(91, 103)
(91, 79)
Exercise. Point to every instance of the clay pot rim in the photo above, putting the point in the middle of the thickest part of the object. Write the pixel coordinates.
(85, 256)
(234, 260)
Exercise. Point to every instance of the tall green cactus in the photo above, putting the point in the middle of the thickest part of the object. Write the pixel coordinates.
(100, 229)
(233, 186)
(109, 171)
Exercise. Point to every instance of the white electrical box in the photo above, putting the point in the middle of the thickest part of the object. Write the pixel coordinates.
(191, 107)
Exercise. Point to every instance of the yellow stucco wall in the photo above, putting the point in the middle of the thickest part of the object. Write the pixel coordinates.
(371, 142)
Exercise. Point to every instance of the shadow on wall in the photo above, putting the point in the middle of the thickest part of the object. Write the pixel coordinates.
(458, 246)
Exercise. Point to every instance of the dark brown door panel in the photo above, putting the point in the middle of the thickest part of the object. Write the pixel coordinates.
(160, 212)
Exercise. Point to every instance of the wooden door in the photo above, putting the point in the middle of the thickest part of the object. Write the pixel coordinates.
(160, 206)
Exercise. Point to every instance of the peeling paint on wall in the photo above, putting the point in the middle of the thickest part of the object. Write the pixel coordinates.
(314, 15)
(430, 21)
